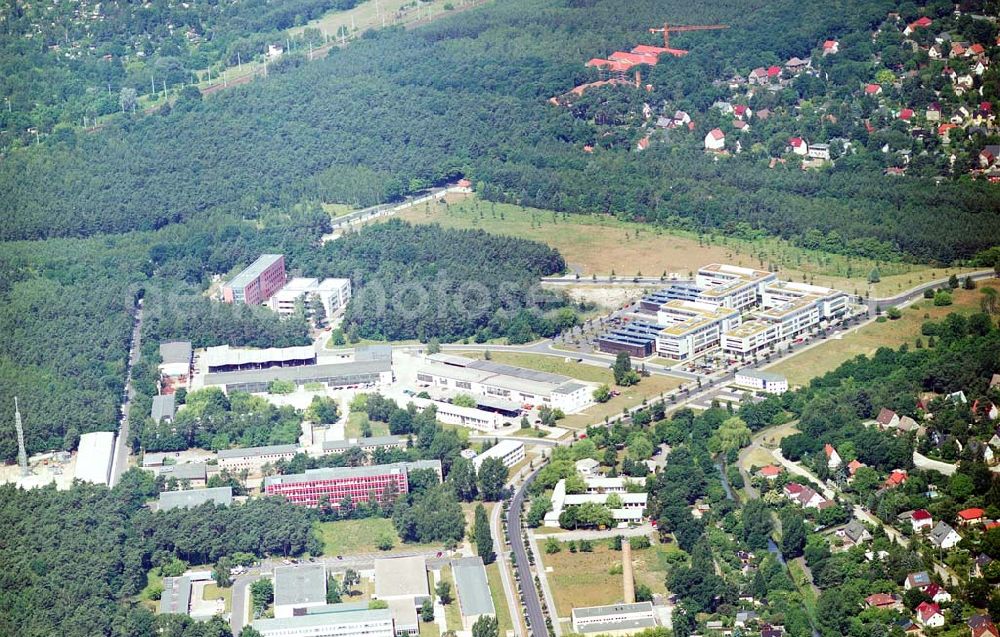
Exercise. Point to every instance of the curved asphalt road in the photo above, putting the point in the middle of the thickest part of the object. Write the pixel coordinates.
(532, 605)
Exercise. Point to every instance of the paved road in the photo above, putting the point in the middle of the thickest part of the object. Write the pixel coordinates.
(918, 292)
(532, 605)
(341, 224)
(923, 462)
(120, 461)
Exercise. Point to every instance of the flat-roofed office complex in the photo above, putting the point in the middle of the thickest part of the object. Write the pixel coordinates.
(374, 372)
(257, 283)
(358, 484)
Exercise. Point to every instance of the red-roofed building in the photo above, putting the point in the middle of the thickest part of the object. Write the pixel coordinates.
(921, 519)
(884, 601)
(929, 615)
(957, 49)
(985, 408)
(976, 49)
(799, 146)
(832, 457)
(896, 478)
(633, 58)
(643, 144)
(758, 76)
(715, 140)
(938, 594)
(742, 111)
(985, 629)
(770, 472)
(854, 465)
(831, 47)
(944, 131)
(906, 114)
(873, 89)
(773, 72)
(921, 23)
(973, 515)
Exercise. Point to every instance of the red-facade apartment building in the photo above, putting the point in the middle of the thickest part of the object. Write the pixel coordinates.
(257, 283)
(360, 484)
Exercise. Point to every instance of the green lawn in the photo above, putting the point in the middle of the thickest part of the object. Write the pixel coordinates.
(452, 613)
(602, 244)
(827, 356)
(356, 420)
(347, 537)
(212, 591)
(499, 598)
(428, 629)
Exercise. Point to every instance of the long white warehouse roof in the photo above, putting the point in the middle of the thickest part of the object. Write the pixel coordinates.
(93, 460)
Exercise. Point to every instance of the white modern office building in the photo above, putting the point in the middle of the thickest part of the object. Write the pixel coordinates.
(692, 328)
(762, 381)
(510, 452)
(333, 294)
(516, 384)
(471, 417)
(732, 286)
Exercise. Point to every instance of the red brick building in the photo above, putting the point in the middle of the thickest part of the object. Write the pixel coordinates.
(257, 283)
(360, 484)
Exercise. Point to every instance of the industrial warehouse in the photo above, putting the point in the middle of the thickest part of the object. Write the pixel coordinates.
(739, 311)
(506, 382)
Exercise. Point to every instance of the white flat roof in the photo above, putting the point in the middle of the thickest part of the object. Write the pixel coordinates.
(93, 461)
(401, 577)
(226, 355)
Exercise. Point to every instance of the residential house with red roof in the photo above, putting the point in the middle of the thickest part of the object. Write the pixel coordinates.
(921, 520)
(770, 472)
(853, 466)
(873, 89)
(773, 73)
(742, 111)
(832, 457)
(921, 23)
(937, 593)
(884, 601)
(985, 408)
(896, 478)
(906, 114)
(973, 515)
(799, 146)
(831, 47)
(715, 140)
(986, 629)
(929, 615)
(758, 76)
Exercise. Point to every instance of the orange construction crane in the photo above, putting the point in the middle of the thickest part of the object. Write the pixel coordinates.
(667, 29)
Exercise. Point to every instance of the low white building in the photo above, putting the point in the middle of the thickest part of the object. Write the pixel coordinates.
(175, 359)
(478, 419)
(587, 467)
(297, 588)
(762, 381)
(353, 619)
(631, 511)
(333, 294)
(95, 456)
(510, 452)
(616, 619)
(254, 458)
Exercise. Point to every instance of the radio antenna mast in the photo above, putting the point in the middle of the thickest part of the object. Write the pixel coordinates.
(22, 455)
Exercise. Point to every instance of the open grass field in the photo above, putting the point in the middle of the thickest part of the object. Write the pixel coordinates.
(348, 537)
(551, 364)
(827, 356)
(370, 14)
(584, 579)
(212, 591)
(356, 421)
(601, 244)
(428, 629)
(499, 599)
(649, 389)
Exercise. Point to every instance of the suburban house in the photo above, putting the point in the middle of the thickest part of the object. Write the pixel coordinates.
(832, 457)
(929, 615)
(769, 472)
(884, 601)
(943, 536)
(715, 140)
(972, 515)
(896, 478)
(831, 47)
(887, 418)
(920, 580)
(805, 496)
(853, 466)
(873, 89)
(938, 594)
(854, 533)
(799, 146)
(921, 520)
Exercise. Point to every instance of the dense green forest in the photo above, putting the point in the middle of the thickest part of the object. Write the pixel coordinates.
(72, 557)
(466, 95)
(61, 62)
(425, 282)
